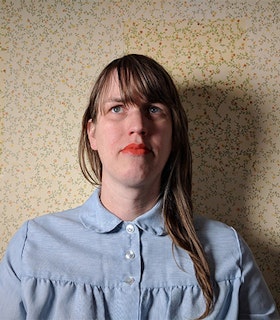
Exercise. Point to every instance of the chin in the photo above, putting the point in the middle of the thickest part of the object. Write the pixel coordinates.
(141, 180)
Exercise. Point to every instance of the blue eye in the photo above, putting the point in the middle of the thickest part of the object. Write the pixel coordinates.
(117, 109)
(154, 109)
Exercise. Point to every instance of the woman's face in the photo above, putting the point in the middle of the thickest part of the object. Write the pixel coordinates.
(133, 142)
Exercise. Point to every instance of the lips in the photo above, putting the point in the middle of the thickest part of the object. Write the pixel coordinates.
(136, 149)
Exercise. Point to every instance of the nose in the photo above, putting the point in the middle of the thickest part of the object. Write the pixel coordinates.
(137, 122)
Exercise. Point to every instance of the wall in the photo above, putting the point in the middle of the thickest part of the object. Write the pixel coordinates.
(224, 56)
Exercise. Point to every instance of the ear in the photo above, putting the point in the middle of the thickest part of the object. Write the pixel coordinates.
(91, 134)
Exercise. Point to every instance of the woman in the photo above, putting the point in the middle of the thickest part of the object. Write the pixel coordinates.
(134, 249)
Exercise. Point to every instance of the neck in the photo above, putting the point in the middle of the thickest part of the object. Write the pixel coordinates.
(127, 203)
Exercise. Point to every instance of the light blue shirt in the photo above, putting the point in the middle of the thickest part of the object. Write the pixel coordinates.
(85, 263)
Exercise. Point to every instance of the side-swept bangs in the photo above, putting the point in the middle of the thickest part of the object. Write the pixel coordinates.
(142, 80)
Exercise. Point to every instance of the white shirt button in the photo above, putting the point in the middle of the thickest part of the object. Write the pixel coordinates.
(130, 255)
(130, 228)
(129, 280)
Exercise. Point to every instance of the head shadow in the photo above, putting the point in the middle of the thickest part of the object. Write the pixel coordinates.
(224, 133)
(225, 130)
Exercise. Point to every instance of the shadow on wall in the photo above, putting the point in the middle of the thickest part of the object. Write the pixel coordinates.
(225, 130)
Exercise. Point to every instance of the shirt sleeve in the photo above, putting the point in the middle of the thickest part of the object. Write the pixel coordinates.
(256, 301)
(11, 304)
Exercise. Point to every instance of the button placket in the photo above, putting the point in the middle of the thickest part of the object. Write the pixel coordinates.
(132, 254)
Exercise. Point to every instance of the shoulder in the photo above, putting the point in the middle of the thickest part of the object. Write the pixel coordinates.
(60, 217)
(222, 246)
(213, 229)
(65, 219)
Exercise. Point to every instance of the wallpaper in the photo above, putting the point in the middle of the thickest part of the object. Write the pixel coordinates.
(224, 57)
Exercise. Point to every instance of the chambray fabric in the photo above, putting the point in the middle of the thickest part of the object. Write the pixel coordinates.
(85, 263)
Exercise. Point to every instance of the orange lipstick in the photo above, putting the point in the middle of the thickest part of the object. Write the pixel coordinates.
(136, 149)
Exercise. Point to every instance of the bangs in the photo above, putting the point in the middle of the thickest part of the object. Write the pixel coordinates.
(138, 84)
(141, 81)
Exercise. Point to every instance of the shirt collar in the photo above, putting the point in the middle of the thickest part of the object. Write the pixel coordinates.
(96, 217)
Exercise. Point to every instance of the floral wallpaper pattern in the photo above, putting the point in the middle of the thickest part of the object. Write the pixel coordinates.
(224, 57)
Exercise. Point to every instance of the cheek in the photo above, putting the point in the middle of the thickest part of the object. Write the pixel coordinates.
(167, 135)
(107, 138)
(164, 141)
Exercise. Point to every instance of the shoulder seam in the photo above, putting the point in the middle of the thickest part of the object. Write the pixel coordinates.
(25, 239)
(239, 248)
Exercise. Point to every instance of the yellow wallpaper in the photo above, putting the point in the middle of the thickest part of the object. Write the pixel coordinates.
(224, 56)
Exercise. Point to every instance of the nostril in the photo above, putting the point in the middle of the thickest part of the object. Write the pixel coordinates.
(141, 132)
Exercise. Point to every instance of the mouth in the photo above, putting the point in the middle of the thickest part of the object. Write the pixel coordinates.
(136, 149)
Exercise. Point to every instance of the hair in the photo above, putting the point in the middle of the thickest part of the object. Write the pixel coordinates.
(142, 78)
